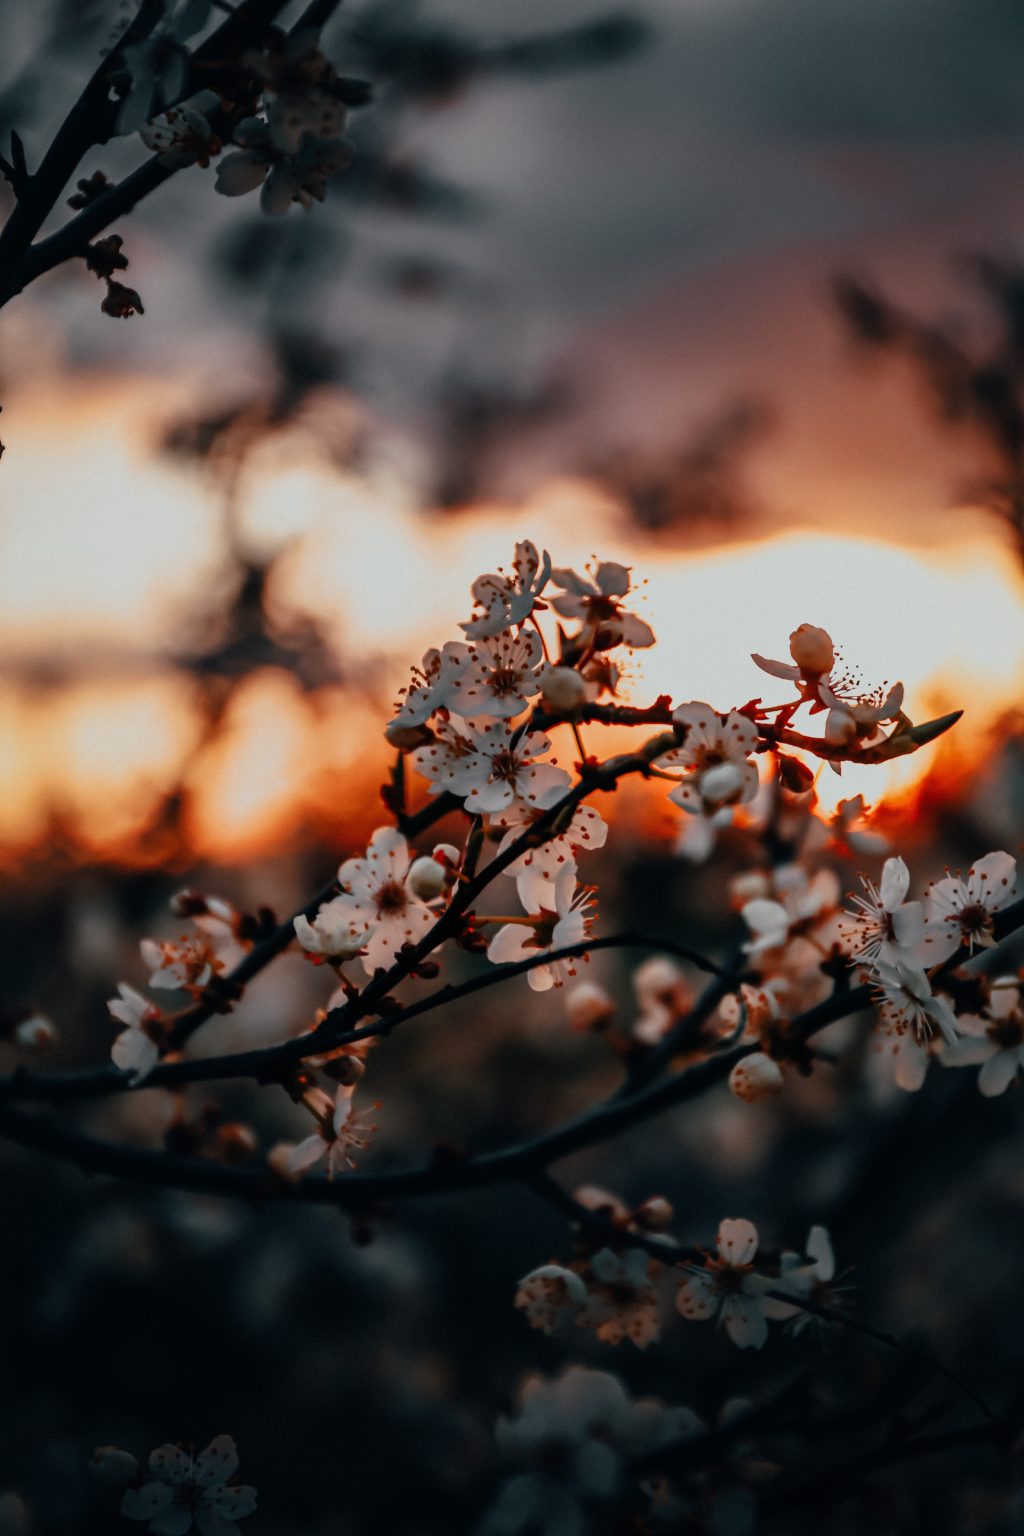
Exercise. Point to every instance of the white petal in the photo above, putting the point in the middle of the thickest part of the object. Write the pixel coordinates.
(737, 1241)
(998, 1073)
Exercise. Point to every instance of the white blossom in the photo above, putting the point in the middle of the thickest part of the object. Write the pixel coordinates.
(489, 768)
(884, 925)
(340, 1132)
(559, 926)
(715, 751)
(730, 1288)
(376, 896)
(550, 1297)
(182, 135)
(574, 1436)
(540, 867)
(136, 1049)
(285, 177)
(996, 1042)
(908, 1004)
(188, 1491)
(335, 932)
(508, 600)
(960, 912)
(622, 1303)
(500, 677)
(596, 599)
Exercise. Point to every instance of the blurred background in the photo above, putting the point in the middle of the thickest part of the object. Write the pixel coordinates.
(729, 290)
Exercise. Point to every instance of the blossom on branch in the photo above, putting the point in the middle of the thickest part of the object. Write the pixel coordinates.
(189, 1491)
(596, 600)
(506, 600)
(376, 897)
(729, 1287)
(715, 751)
(563, 923)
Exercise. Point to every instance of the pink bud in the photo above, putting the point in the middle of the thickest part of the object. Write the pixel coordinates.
(812, 650)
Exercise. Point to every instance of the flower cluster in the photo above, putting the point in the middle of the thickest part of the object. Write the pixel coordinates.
(903, 949)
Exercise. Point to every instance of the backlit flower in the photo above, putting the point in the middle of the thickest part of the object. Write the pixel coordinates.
(596, 599)
(560, 925)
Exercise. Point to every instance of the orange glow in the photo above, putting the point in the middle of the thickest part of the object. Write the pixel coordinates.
(95, 756)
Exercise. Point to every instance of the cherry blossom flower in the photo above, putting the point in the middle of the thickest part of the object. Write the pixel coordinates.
(137, 1047)
(339, 1134)
(808, 1280)
(430, 684)
(541, 866)
(551, 1297)
(853, 716)
(304, 88)
(664, 995)
(158, 64)
(189, 1491)
(909, 1058)
(489, 768)
(885, 926)
(560, 925)
(182, 135)
(962, 913)
(501, 677)
(622, 1303)
(801, 902)
(596, 599)
(334, 934)
(574, 1436)
(857, 719)
(508, 600)
(996, 1042)
(299, 176)
(716, 752)
(729, 1287)
(375, 894)
(848, 836)
(908, 1004)
(189, 964)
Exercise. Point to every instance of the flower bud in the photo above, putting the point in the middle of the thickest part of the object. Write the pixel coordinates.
(333, 933)
(600, 1200)
(113, 1468)
(563, 688)
(795, 775)
(427, 878)
(588, 1006)
(407, 737)
(35, 1033)
(236, 1142)
(756, 1077)
(656, 1213)
(448, 854)
(659, 980)
(812, 650)
(721, 784)
(279, 1162)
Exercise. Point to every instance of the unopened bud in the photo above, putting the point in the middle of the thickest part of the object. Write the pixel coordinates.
(656, 1213)
(812, 650)
(427, 878)
(795, 775)
(112, 1467)
(236, 1142)
(279, 1161)
(752, 885)
(756, 1077)
(563, 688)
(35, 1033)
(588, 1006)
(407, 737)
